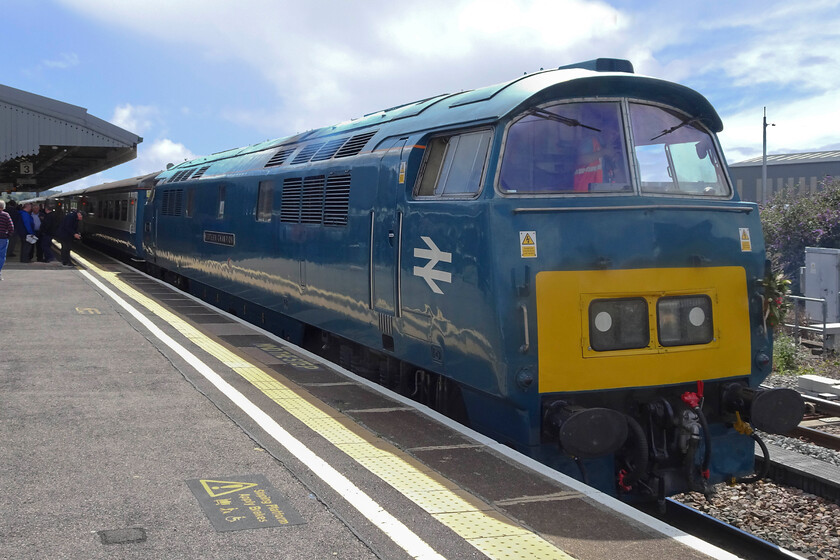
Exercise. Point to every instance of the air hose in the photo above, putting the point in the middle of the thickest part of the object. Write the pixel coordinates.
(765, 466)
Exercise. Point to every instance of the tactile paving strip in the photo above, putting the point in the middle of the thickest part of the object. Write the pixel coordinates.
(490, 532)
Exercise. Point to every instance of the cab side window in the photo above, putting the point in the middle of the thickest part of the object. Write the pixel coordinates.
(453, 165)
(265, 201)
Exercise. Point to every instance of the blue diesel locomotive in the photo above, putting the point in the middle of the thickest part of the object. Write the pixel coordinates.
(560, 261)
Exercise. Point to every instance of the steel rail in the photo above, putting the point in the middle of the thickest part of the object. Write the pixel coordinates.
(714, 531)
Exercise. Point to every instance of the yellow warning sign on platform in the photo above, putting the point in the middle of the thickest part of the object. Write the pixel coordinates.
(528, 244)
(216, 488)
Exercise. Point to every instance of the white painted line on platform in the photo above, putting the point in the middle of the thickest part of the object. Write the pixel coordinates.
(595, 495)
(401, 535)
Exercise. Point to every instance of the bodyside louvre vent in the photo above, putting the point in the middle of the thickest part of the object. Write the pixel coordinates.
(279, 157)
(337, 200)
(329, 149)
(312, 202)
(353, 146)
(177, 202)
(171, 202)
(290, 200)
(307, 152)
(201, 172)
(316, 200)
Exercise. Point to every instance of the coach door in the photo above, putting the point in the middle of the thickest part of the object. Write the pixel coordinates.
(150, 220)
(385, 233)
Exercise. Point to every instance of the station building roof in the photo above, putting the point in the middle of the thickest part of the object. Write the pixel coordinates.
(788, 159)
(45, 143)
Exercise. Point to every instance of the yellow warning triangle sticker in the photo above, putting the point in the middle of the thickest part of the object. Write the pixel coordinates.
(745, 234)
(216, 488)
(527, 240)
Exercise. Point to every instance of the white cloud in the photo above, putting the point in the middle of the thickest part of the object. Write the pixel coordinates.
(159, 153)
(64, 61)
(328, 61)
(135, 118)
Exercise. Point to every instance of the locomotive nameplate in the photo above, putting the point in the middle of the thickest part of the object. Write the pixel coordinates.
(220, 238)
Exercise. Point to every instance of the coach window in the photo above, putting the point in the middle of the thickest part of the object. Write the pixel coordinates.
(221, 213)
(454, 165)
(190, 209)
(265, 201)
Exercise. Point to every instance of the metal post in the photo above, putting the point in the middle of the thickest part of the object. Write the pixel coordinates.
(764, 192)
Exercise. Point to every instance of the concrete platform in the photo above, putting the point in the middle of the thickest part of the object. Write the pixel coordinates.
(120, 399)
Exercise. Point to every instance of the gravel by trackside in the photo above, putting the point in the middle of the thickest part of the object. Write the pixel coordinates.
(788, 517)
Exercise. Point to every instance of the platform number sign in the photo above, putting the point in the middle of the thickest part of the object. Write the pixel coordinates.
(26, 168)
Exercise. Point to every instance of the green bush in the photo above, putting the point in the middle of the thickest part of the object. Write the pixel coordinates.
(793, 221)
(786, 357)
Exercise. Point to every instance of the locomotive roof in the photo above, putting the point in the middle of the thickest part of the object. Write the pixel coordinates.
(491, 103)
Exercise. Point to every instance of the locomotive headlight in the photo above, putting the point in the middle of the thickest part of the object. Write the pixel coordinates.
(684, 320)
(618, 324)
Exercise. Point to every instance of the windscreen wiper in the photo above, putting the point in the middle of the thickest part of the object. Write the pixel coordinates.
(560, 118)
(673, 128)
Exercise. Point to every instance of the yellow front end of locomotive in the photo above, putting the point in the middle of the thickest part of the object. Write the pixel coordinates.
(608, 329)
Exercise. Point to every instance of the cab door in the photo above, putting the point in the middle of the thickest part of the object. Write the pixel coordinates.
(385, 232)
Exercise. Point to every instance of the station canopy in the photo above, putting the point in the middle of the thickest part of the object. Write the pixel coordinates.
(45, 143)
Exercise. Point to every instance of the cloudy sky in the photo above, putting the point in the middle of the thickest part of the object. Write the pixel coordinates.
(196, 77)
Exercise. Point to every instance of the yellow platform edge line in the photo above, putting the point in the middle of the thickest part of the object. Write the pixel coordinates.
(485, 531)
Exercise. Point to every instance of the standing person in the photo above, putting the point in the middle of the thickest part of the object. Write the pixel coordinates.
(7, 229)
(36, 227)
(67, 232)
(26, 248)
(49, 226)
(12, 210)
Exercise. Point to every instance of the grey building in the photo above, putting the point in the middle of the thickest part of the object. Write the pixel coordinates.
(803, 172)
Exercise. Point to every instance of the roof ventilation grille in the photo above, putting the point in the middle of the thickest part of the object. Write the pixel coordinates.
(307, 152)
(279, 157)
(355, 144)
(201, 172)
(329, 149)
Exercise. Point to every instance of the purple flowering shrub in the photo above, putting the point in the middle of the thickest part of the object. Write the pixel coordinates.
(792, 221)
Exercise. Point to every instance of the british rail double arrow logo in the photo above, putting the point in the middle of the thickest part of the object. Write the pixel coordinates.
(428, 272)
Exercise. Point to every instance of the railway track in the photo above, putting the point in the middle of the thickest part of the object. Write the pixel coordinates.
(796, 488)
(813, 431)
(723, 535)
(817, 437)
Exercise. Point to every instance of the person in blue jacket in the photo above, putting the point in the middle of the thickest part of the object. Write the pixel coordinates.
(27, 229)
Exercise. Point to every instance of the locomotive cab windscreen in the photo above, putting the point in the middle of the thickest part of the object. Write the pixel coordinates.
(586, 147)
